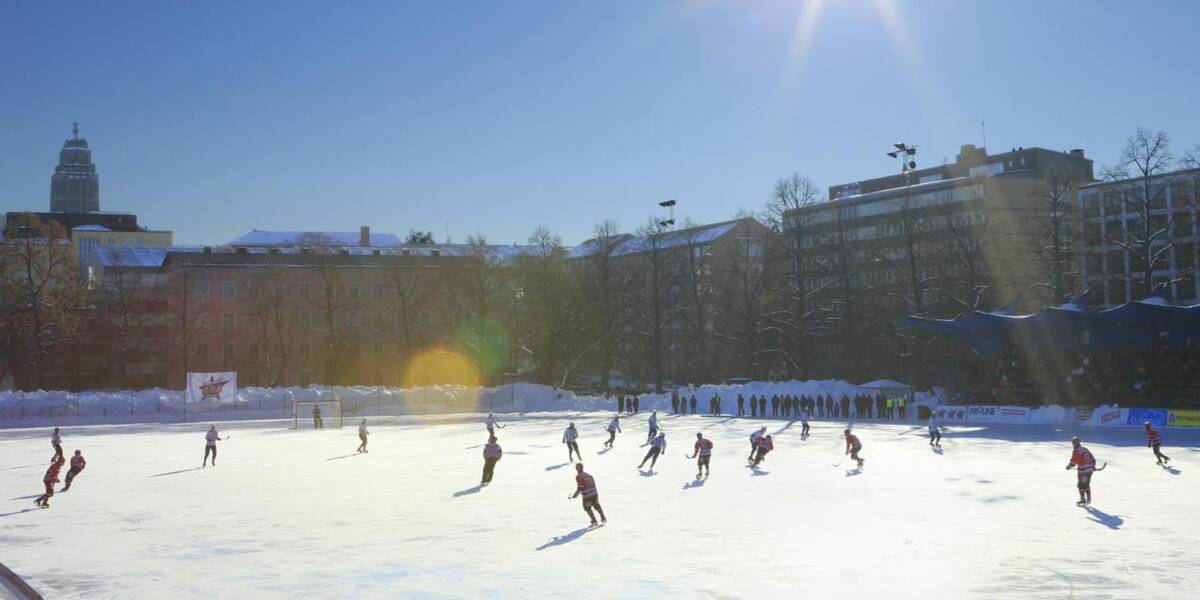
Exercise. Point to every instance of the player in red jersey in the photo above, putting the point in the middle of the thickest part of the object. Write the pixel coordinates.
(77, 466)
(49, 480)
(1084, 463)
(702, 452)
(764, 445)
(853, 446)
(586, 486)
(1154, 441)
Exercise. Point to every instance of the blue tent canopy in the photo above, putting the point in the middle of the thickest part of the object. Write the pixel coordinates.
(1138, 324)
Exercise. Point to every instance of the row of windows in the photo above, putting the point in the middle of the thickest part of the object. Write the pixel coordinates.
(353, 320)
(229, 290)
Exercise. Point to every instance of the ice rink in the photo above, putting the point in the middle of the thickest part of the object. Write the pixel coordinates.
(298, 514)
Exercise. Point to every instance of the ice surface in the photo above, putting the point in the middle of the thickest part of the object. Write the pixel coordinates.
(299, 514)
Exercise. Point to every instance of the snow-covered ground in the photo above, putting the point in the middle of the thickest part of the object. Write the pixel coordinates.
(299, 514)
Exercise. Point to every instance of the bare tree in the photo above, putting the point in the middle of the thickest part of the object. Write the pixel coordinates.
(790, 220)
(745, 284)
(1052, 242)
(41, 294)
(186, 291)
(1146, 238)
(656, 291)
(965, 272)
(549, 323)
(337, 306)
(606, 281)
(123, 297)
(697, 302)
(411, 299)
(473, 296)
(275, 322)
(1191, 159)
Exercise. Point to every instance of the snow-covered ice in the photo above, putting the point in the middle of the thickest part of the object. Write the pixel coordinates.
(299, 514)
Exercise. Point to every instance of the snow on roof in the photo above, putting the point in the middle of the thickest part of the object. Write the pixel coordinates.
(90, 228)
(336, 238)
(703, 234)
(154, 257)
(121, 256)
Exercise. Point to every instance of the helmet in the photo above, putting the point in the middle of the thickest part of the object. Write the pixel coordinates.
(846, 432)
(1075, 441)
(1146, 424)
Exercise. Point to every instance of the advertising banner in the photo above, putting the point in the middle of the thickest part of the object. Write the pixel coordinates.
(984, 414)
(1012, 414)
(1184, 418)
(1109, 417)
(211, 387)
(1156, 416)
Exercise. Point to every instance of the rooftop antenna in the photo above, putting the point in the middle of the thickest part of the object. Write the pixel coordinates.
(75, 129)
(983, 129)
(447, 231)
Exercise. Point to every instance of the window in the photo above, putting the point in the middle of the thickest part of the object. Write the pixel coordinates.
(306, 320)
(304, 349)
(355, 320)
(302, 291)
(202, 350)
(228, 290)
(353, 292)
(377, 292)
(227, 321)
(378, 349)
(228, 355)
(202, 286)
(252, 351)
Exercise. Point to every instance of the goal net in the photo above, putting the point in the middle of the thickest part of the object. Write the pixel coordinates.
(313, 414)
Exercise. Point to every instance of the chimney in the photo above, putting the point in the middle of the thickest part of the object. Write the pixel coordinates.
(243, 250)
(435, 252)
(364, 236)
(1077, 152)
(207, 250)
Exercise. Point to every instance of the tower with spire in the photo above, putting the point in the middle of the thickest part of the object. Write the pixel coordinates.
(75, 186)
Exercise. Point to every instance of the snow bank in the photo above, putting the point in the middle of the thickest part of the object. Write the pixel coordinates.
(159, 405)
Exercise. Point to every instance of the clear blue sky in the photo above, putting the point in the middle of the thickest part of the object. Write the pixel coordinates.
(213, 118)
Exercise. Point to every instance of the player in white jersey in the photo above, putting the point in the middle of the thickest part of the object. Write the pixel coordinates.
(569, 437)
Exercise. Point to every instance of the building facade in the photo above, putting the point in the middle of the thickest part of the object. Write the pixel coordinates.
(1139, 234)
(935, 241)
(75, 186)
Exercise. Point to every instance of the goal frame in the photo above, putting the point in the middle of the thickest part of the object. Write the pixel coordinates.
(333, 419)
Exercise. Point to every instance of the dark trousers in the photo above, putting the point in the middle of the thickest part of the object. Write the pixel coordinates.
(57, 452)
(612, 436)
(760, 454)
(804, 428)
(213, 450)
(651, 456)
(702, 463)
(754, 409)
(70, 477)
(44, 499)
(854, 455)
(489, 465)
(593, 502)
(653, 432)
(362, 447)
(741, 409)
(693, 403)
(317, 424)
(935, 437)
(1158, 453)
(753, 449)
(573, 447)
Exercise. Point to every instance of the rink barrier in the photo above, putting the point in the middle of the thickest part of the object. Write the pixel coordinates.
(16, 586)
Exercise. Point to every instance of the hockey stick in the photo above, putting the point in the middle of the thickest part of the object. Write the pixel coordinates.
(1101, 467)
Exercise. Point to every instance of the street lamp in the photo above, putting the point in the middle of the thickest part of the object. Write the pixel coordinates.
(670, 220)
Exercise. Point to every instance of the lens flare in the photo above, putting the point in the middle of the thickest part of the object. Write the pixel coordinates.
(486, 342)
(440, 367)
